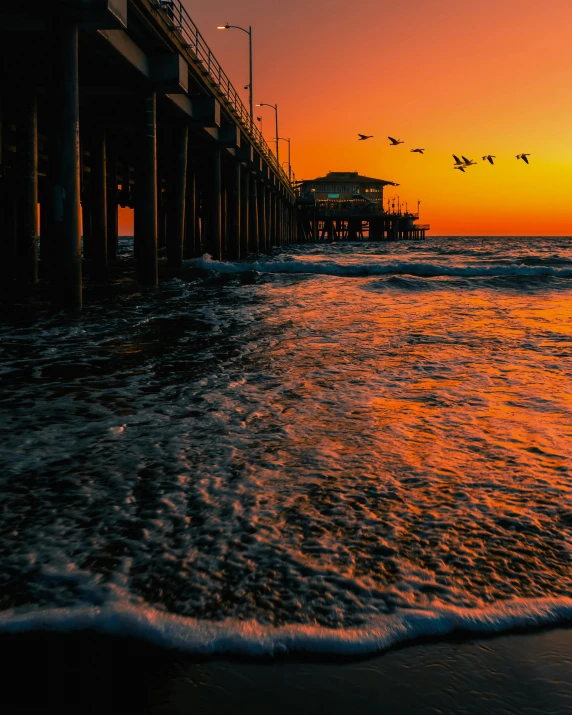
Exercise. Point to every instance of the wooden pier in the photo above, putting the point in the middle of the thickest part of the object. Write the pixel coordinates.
(343, 205)
(107, 103)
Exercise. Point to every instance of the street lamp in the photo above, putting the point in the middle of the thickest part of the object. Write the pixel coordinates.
(249, 33)
(289, 163)
(275, 108)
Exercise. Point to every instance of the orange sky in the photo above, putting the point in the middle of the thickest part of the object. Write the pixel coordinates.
(451, 76)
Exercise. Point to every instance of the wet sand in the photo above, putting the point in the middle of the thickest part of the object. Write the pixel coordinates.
(528, 674)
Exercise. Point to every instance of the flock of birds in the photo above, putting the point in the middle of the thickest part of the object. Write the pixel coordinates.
(460, 164)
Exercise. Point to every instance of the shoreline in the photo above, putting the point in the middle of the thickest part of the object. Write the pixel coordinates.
(86, 672)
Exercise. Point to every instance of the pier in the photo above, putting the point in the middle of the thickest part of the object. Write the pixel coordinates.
(108, 103)
(121, 103)
(344, 205)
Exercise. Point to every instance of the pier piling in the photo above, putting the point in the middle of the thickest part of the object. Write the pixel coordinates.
(27, 242)
(98, 185)
(177, 202)
(65, 166)
(147, 205)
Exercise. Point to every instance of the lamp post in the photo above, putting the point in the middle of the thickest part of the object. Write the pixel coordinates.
(275, 108)
(249, 33)
(289, 163)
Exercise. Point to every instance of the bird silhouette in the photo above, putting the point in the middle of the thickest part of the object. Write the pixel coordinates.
(419, 151)
(458, 162)
(461, 167)
(489, 158)
(395, 142)
(363, 137)
(523, 157)
(468, 162)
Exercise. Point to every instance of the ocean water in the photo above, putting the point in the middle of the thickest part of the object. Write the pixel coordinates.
(332, 448)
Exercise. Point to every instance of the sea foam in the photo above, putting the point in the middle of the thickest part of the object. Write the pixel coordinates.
(250, 638)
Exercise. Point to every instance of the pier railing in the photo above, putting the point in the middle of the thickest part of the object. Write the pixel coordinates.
(181, 23)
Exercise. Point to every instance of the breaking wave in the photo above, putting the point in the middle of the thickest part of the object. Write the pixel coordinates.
(365, 270)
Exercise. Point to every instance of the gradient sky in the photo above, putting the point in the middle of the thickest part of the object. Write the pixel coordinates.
(451, 76)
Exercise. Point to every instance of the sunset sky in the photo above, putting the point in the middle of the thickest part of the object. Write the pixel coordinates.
(450, 76)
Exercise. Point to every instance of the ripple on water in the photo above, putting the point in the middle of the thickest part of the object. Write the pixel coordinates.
(295, 449)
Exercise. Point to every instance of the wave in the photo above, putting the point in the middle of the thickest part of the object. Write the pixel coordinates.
(253, 639)
(364, 270)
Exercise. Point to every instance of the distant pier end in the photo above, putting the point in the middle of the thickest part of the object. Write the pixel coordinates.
(344, 205)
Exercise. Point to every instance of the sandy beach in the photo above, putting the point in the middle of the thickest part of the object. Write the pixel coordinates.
(88, 673)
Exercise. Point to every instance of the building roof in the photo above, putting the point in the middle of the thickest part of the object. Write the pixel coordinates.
(353, 176)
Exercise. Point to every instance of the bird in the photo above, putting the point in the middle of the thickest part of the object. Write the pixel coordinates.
(523, 157)
(458, 162)
(468, 162)
(489, 158)
(461, 167)
(363, 137)
(419, 151)
(395, 142)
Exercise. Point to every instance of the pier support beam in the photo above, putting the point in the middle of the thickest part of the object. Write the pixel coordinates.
(112, 210)
(191, 246)
(98, 186)
(27, 244)
(275, 238)
(262, 223)
(254, 232)
(146, 232)
(215, 213)
(177, 201)
(268, 216)
(64, 167)
(234, 204)
(244, 211)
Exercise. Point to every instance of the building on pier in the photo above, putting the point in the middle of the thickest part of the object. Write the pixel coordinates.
(346, 205)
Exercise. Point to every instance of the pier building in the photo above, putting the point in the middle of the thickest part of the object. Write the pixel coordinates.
(346, 205)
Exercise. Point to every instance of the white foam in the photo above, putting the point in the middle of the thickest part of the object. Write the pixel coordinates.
(253, 639)
(364, 270)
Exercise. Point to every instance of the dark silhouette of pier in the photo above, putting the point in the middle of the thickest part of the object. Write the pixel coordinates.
(109, 103)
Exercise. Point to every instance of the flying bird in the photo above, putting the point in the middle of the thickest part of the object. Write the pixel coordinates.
(395, 142)
(419, 151)
(523, 157)
(363, 137)
(458, 162)
(461, 167)
(489, 158)
(468, 162)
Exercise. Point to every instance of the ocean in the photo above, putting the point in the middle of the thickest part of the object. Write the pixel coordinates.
(333, 448)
